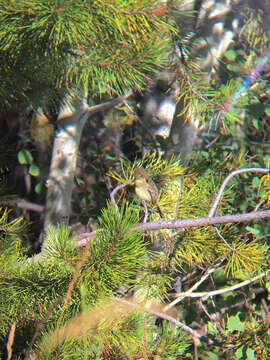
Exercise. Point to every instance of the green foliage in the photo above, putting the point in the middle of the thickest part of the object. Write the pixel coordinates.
(63, 43)
(192, 246)
(125, 333)
(25, 157)
(64, 280)
(250, 339)
(157, 166)
(64, 300)
(11, 233)
(115, 254)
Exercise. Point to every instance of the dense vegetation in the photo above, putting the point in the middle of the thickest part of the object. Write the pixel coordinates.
(150, 247)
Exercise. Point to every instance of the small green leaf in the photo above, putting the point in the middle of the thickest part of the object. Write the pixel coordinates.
(255, 123)
(234, 67)
(255, 182)
(267, 111)
(34, 170)
(253, 231)
(234, 323)
(80, 181)
(250, 354)
(230, 55)
(213, 356)
(239, 352)
(40, 188)
(25, 157)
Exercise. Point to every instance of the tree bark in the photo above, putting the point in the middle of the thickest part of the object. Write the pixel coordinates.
(71, 121)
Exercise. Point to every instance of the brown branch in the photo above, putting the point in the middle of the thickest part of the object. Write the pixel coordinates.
(210, 219)
(205, 221)
(22, 204)
(114, 191)
(159, 313)
(108, 104)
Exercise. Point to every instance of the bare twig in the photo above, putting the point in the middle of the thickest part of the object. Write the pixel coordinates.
(176, 323)
(108, 104)
(221, 190)
(22, 204)
(112, 194)
(205, 221)
(260, 204)
(213, 317)
(159, 314)
(225, 182)
(205, 295)
(145, 211)
(195, 286)
(223, 238)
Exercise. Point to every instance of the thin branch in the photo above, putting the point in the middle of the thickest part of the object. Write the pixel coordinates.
(161, 314)
(115, 190)
(205, 221)
(158, 314)
(177, 323)
(84, 238)
(205, 295)
(22, 204)
(108, 104)
(145, 211)
(195, 286)
(215, 317)
(223, 238)
(225, 182)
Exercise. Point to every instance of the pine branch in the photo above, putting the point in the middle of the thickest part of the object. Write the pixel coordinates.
(210, 219)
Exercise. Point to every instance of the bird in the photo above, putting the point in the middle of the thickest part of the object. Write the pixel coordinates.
(145, 188)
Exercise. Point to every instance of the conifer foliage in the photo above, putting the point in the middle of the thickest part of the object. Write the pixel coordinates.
(181, 277)
(49, 46)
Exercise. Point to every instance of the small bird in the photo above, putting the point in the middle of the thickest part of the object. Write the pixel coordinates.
(145, 188)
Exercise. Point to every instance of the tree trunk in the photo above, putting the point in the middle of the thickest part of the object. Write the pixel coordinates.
(71, 121)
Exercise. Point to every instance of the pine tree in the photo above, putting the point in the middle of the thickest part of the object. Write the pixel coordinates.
(151, 271)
